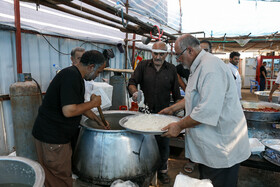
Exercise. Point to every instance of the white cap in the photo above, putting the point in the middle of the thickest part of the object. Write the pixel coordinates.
(158, 51)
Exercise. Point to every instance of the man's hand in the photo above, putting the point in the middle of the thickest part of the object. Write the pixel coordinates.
(173, 130)
(95, 99)
(269, 98)
(134, 96)
(167, 111)
(106, 126)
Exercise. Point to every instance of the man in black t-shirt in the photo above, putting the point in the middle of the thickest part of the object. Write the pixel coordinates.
(262, 76)
(183, 76)
(59, 116)
(157, 78)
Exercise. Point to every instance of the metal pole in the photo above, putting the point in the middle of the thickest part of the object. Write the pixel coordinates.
(84, 9)
(180, 5)
(133, 51)
(18, 35)
(80, 15)
(126, 42)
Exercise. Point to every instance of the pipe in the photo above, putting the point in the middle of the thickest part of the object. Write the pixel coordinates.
(84, 9)
(199, 32)
(79, 15)
(112, 10)
(133, 51)
(252, 40)
(180, 27)
(129, 29)
(18, 35)
(126, 42)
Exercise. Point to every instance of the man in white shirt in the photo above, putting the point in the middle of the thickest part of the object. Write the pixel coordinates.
(274, 87)
(234, 58)
(218, 136)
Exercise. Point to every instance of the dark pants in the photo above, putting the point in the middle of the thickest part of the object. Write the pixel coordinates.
(262, 84)
(74, 143)
(163, 145)
(224, 177)
(56, 162)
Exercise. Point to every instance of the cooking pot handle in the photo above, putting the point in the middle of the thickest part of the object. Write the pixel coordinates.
(139, 151)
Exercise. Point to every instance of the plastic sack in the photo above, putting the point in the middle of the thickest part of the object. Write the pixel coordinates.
(186, 181)
(256, 146)
(105, 101)
(121, 183)
(102, 89)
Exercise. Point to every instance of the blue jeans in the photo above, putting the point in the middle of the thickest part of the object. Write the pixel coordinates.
(163, 146)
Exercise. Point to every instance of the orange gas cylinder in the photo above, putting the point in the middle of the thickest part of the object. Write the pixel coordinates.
(134, 106)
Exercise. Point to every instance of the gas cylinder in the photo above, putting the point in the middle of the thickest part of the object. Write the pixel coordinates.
(25, 101)
(119, 91)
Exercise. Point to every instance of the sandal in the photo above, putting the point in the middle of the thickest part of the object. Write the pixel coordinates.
(189, 167)
(164, 178)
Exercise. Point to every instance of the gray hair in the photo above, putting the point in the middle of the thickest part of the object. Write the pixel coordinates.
(73, 52)
(188, 40)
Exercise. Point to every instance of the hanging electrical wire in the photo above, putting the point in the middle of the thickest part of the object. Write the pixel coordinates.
(54, 47)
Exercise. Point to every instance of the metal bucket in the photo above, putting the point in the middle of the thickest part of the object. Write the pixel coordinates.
(20, 172)
(102, 156)
(266, 117)
(263, 96)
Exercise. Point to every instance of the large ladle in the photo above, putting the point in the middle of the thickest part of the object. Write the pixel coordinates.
(106, 125)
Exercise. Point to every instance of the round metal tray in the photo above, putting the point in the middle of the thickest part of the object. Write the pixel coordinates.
(159, 132)
(272, 144)
(271, 117)
(269, 159)
(263, 96)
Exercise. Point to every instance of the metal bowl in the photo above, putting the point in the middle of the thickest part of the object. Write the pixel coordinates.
(271, 117)
(20, 171)
(263, 96)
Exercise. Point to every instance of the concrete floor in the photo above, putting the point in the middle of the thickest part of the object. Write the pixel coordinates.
(248, 177)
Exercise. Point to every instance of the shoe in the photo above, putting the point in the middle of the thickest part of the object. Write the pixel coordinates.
(164, 178)
(189, 167)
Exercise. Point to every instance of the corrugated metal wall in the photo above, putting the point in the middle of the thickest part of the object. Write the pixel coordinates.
(38, 58)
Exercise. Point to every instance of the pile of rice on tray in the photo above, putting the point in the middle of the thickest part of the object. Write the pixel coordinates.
(149, 122)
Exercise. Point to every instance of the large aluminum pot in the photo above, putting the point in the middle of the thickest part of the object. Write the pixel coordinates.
(102, 156)
(271, 117)
(20, 171)
(263, 96)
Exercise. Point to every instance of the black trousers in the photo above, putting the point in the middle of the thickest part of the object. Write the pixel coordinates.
(223, 177)
(163, 145)
(262, 84)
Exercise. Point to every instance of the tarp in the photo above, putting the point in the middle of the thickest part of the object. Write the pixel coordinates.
(233, 17)
(50, 21)
(164, 12)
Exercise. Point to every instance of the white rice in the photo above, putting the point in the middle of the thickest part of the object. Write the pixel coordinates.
(149, 122)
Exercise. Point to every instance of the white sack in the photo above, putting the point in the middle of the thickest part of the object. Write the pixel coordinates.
(186, 181)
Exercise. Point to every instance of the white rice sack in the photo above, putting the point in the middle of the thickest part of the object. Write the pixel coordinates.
(149, 122)
(186, 181)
